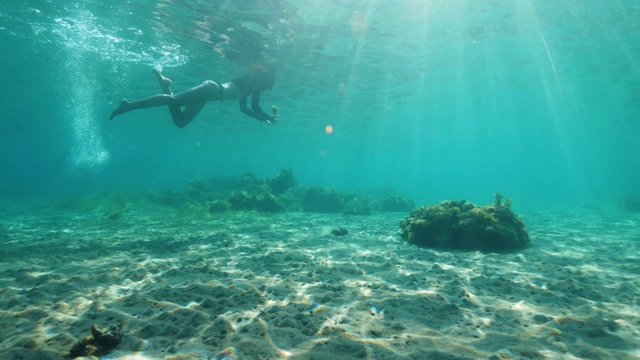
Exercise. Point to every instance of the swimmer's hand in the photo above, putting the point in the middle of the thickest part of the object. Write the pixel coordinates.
(274, 115)
(271, 120)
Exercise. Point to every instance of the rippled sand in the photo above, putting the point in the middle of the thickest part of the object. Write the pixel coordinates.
(282, 286)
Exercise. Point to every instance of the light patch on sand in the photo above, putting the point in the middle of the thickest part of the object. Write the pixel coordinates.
(521, 306)
(427, 292)
(80, 304)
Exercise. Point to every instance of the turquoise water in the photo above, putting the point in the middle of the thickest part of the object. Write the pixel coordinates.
(430, 99)
(122, 223)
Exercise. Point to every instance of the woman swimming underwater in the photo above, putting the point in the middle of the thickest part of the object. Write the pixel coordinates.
(186, 105)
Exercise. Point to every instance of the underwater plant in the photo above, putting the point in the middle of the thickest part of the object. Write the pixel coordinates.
(358, 206)
(219, 206)
(317, 199)
(395, 203)
(282, 181)
(196, 194)
(248, 181)
(258, 198)
(465, 226)
(117, 214)
(631, 204)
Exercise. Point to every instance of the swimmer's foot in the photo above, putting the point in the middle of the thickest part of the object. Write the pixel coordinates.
(123, 108)
(164, 82)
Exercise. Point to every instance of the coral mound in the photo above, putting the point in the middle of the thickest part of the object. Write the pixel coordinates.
(464, 226)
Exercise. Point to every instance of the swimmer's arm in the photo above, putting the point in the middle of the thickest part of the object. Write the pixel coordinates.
(255, 111)
(255, 106)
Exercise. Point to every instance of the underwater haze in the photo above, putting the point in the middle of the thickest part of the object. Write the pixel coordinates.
(431, 99)
(346, 230)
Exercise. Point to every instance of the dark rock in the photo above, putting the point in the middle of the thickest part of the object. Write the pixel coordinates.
(541, 319)
(339, 231)
(102, 341)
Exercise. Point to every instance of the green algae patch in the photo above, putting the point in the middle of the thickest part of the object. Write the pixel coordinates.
(461, 225)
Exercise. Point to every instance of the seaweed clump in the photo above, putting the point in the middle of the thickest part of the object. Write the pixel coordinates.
(395, 202)
(196, 193)
(100, 343)
(219, 206)
(257, 198)
(462, 225)
(631, 204)
(117, 214)
(282, 181)
(322, 200)
(279, 193)
(358, 206)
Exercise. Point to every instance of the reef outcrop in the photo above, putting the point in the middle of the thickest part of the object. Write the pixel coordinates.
(279, 193)
(462, 225)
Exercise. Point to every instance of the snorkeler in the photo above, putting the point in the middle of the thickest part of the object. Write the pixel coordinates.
(186, 105)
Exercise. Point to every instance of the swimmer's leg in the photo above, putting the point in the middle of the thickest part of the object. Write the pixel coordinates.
(192, 100)
(123, 108)
(184, 117)
(164, 82)
(174, 107)
(152, 101)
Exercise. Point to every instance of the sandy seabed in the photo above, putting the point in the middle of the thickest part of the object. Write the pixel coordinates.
(283, 287)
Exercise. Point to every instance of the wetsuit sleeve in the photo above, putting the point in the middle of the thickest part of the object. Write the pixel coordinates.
(255, 106)
(255, 111)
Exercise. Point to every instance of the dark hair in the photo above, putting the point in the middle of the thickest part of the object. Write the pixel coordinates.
(263, 76)
(262, 69)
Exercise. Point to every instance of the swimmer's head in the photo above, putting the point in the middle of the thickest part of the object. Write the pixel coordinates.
(264, 76)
